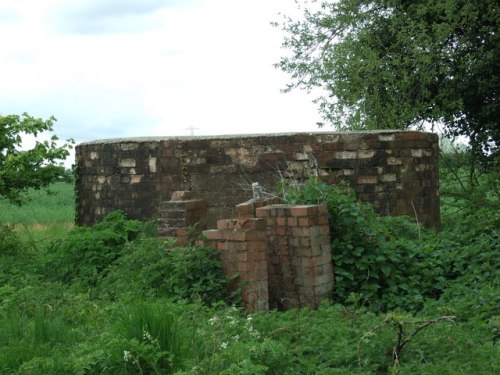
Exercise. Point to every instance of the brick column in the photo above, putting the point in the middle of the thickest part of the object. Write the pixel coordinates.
(242, 246)
(180, 213)
(299, 255)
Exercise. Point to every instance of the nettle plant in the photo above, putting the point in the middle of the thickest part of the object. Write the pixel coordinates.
(374, 257)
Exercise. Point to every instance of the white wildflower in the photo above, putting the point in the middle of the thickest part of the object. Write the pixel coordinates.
(126, 355)
(223, 345)
(147, 337)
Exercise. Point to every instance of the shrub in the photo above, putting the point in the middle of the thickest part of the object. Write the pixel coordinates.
(155, 269)
(372, 256)
(9, 242)
(87, 253)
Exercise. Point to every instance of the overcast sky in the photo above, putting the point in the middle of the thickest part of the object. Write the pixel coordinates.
(123, 68)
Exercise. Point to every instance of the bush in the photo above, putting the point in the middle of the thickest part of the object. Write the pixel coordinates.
(9, 242)
(390, 262)
(87, 253)
(155, 269)
(371, 255)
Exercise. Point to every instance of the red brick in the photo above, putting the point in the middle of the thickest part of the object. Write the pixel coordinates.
(307, 262)
(250, 277)
(282, 250)
(292, 221)
(246, 208)
(242, 267)
(181, 241)
(412, 136)
(281, 221)
(302, 252)
(241, 224)
(324, 259)
(230, 268)
(256, 256)
(262, 266)
(248, 296)
(234, 236)
(322, 220)
(304, 210)
(257, 245)
(180, 232)
(262, 212)
(280, 231)
(305, 222)
(305, 241)
(301, 231)
(325, 229)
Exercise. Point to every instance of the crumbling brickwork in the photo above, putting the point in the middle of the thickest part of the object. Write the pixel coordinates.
(242, 246)
(278, 255)
(179, 214)
(396, 171)
(299, 255)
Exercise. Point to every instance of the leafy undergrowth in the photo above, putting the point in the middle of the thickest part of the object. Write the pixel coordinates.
(114, 299)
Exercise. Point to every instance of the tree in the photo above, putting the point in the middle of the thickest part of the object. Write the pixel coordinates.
(401, 64)
(35, 168)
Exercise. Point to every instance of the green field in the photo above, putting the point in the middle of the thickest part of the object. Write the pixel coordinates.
(47, 214)
(57, 207)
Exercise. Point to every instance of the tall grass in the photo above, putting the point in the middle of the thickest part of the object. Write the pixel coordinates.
(46, 213)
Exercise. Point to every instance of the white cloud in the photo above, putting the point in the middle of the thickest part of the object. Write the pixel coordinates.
(113, 68)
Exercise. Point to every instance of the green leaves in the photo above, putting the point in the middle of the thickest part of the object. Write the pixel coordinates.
(399, 64)
(87, 253)
(35, 168)
(392, 263)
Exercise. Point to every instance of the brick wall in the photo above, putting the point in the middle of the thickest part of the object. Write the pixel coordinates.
(395, 171)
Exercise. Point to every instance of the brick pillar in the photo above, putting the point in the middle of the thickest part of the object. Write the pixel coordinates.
(299, 255)
(242, 246)
(179, 214)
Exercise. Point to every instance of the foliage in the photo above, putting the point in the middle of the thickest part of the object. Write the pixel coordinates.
(194, 272)
(87, 253)
(123, 324)
(392, 263)
(9, 243)
(152, 339)
(466, 187)
(35, 168)
(361, 263)
(43, 210)
(400, 64)
(156, 269)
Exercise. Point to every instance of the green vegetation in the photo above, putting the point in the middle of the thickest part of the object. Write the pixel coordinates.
(44, 216)
(115, 299)
(35, 168)
(56, 207)
(401, 64)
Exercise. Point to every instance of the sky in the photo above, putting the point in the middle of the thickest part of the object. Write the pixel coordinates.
(133, 68)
